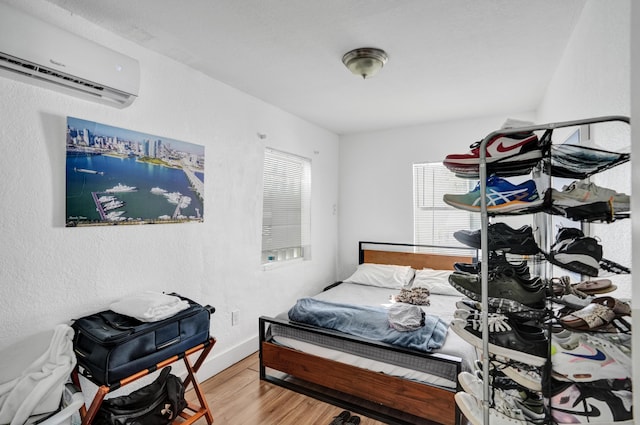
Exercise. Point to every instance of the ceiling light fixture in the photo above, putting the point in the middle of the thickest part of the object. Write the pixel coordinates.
(366, 61)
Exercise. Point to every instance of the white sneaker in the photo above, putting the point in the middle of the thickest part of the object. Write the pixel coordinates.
(525, 375)
(471, 407)
(578, 403)
(583, 193)
(581, 357)
(508, 402)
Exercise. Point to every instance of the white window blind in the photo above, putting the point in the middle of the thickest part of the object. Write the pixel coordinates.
(434, 221)
(286, 217)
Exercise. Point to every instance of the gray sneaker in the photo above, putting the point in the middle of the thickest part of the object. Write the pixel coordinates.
(582, 193)
(500, 286)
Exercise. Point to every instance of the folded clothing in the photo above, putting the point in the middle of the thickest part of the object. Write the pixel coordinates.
(150, 306)
(406, 317)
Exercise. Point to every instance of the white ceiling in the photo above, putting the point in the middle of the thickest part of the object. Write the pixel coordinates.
(448, 59)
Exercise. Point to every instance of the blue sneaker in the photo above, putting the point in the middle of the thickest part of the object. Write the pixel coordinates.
(502, 196)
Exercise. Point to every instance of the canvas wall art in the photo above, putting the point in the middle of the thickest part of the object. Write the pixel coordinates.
(119, 176)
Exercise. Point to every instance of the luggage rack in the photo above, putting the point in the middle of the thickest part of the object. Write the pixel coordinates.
(197, 411)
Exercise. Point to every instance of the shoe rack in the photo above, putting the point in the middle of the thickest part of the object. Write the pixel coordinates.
(546, 237)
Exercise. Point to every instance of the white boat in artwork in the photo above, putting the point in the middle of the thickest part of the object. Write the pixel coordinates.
(178, 198)
(106, 198)
(121, 188)
(115, 216)
(158, 191)
(84, 170)
(112, 205)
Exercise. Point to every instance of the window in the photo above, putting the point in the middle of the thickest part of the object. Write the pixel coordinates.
(286, 216)
(434, 221)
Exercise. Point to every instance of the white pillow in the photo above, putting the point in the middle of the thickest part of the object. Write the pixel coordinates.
(382, 275)
(436, 281)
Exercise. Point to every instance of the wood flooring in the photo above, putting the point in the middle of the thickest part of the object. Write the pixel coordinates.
(237, 396)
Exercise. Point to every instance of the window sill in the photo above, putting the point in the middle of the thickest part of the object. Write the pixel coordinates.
(279, 264)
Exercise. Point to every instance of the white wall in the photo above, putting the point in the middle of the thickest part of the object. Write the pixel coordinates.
(50, 274)
(593, 79)
(635, 201)
(376, 181)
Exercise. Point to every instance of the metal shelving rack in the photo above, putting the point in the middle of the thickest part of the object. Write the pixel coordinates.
(484, 223)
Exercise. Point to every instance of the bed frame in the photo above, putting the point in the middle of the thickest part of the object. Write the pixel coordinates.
(383, 397)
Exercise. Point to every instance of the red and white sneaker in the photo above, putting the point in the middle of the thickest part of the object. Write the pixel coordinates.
(508, 151)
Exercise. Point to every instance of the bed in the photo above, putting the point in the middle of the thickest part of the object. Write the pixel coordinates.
(392, 384)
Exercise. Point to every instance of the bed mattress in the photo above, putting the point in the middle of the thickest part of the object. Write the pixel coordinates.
(439, 369)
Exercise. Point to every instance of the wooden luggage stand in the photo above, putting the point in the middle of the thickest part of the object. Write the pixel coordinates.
(186, 418)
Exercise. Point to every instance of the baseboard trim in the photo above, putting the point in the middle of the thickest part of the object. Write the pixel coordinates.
(219, 361)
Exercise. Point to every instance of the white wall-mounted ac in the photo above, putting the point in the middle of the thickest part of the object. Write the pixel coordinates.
(39, 53)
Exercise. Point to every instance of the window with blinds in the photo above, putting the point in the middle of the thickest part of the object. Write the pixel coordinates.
(434, 221)
(286, 217)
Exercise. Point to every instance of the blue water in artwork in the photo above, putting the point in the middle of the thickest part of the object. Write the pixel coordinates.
(141, 204)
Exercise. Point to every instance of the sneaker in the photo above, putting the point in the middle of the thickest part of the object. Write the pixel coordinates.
(472, 409)
(496, 261)
(510, 148)
(505, 306)
(530, 405)
(530, 293)
(582, 193)
(580, 357)
(505, 339)
(579, 403)
(501, 237)
(581, 255)
(502, 196)
(520, 374)
(565, 233)
(524, 374)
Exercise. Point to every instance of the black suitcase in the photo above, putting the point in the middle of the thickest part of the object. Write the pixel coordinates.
(111, 346)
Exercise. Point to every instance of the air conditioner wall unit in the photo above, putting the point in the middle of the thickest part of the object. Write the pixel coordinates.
(39, 53)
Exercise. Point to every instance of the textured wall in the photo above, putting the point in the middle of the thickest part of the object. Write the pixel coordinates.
(50, 274)
(593, 79)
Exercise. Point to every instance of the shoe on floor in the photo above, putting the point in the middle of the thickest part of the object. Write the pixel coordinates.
(354, 420)
(341, 419)
(501, 196)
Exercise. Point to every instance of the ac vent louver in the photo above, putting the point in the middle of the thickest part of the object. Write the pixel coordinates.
(94, 71)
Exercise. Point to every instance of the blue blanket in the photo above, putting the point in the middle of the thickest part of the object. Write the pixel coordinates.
(368, 322)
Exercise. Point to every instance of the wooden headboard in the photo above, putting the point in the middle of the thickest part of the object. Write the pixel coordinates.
(410, 255)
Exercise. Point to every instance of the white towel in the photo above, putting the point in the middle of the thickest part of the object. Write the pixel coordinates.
(39, 388)
(150, 306)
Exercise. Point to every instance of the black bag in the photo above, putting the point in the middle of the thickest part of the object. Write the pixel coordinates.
(158, 403)
(111, 346)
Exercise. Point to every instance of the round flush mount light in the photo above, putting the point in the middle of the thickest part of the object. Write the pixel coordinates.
(365, 62)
